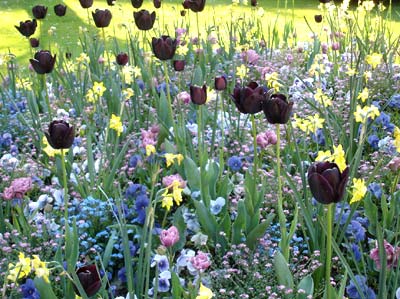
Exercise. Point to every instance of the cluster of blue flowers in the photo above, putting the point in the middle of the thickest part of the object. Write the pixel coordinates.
(138, 194)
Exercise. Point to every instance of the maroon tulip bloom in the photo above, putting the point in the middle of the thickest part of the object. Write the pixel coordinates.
(179, 65)
(327, 183)
(144, 20)
(60, 10)
(102, 18)
(318, 18)
(198, 95)
(220, 83)
(277, 109)
(86, 3)
(90, 279)
(39, 11)
(249, 99)
(60, 134)
(34, 42)
(43, 62)
(253, 3)
(164, 47)
(27, 28)
(157, 3)
(137, 3)
(122, 58)
(194, 5)
(324, 1)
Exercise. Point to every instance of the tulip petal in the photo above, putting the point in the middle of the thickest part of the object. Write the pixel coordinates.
(321, 189)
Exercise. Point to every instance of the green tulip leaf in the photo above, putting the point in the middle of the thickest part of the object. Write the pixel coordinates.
(282, 270)
(307, 285)
(192, 173)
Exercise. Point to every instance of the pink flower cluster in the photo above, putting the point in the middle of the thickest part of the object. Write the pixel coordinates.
(392, 255)
(168, 180)
(265, 139)
(169, 237)
(18, 188)
(200, 261)
(149, 137)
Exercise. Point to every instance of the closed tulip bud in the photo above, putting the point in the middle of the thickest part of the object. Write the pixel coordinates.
(34, 42)
(164, 47)
(68, 55)
(122, 58)
(60, 134)
(157, 3)
(220, 83)
(90, 279)
(253, 3)
(137, 3)
(179, 65)
(102, 18)
(43, 62)
(277, 109)
(169, 237)
(60, 10)
(183, 13)
(318, 18)
(144, 20)
(27, 28)
(327, 183)
(249, 99)
(39, 11)
(194, 5)
(86, 3)
(198, 95)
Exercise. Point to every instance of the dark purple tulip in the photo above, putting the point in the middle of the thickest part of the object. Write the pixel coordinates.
(111, 2)
(157, 3)
(43, 62)
(324, 1)
(183, 13)
(318, 18)
(327, 183)
(68, 55)
(60, 10)
(27, 28)
(253, 3)
(102, 17)
(86, 3)
(220, 83)
(144, 20)
(60, 135)
(277, 109)
(164, 47)
(137, 3)
(249, 99)
(179, 65)
(122, 58)
(194, 5)
(90, 279)
(39, 11)
(34, 42)
(198, 95)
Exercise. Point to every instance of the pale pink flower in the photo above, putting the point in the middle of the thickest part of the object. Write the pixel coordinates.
(18, 188)
(392, 255)
(250, 56)
(266, 138)
(184, 97)
(168, 180)
(169, 237)
(200, 261)
(394, 164)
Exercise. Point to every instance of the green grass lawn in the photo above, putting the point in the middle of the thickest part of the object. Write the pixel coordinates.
(66, 29)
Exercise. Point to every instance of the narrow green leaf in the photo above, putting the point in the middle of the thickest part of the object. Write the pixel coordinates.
(282, 270)
(192, 174)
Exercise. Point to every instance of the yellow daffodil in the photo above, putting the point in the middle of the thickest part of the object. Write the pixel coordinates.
(322, 98)
(21, 269)
(150, 149)
(40, 268)
(362, 114)
(241, 71)
(170, 158)
(116, 124)
(167, 200)
(338, 157)
(359, 190)
(351, 72)
(363, 95)
(204, 292)
(99, 88)
(374, 59)
(396, 141)
(310, 124)
(51, 152)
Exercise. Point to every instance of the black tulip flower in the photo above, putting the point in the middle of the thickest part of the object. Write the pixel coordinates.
(253, 3)
(137, 3)
(60, 134)
(198, 95)
(277, 109)
(34, 42)
(324, 1)
(157, 3)
(122, 58)
(249, 99)
(43, 62)
(183, 13)
(164, 47)
(68, 55)
(86, 3)
(144, 20)
(220, 83)
(60, 10)
(39, 11)
(27, 28)
(90, 279)
(318, 18)
(327, 182)
(102, 17)
(179, 65)
(194, 5)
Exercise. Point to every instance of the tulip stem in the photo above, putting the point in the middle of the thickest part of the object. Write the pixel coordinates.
(283, 244)
(255, 154)
(329, 218)
(44, 86)
(64, 174)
